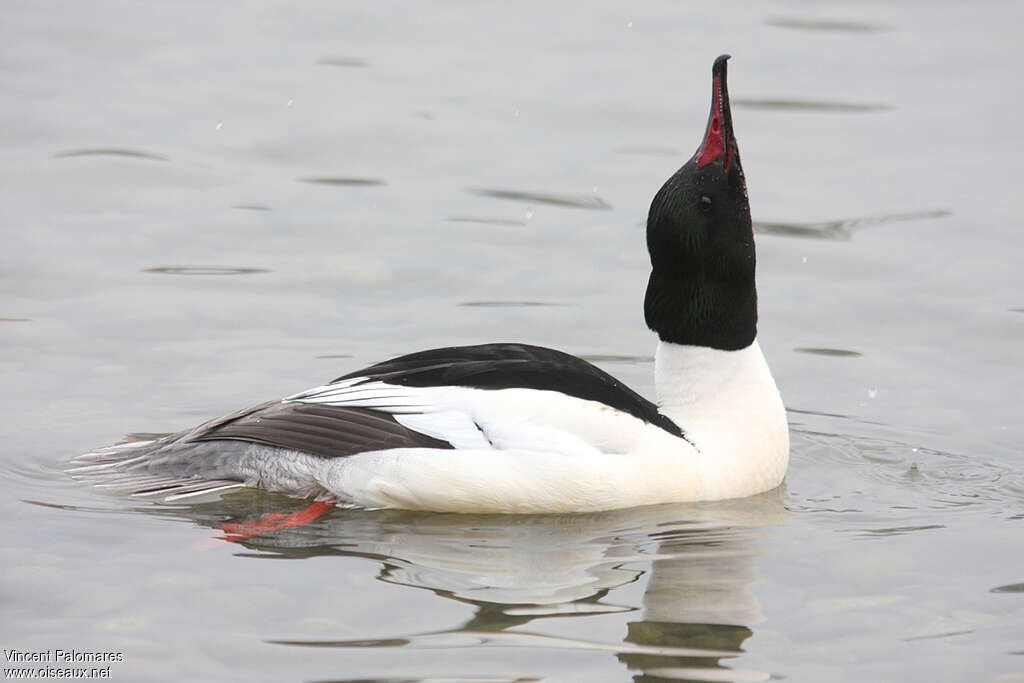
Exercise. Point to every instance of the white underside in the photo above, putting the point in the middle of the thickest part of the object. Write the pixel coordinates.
(523, 450)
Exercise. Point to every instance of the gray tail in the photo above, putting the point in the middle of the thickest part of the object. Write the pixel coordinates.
(135, 469)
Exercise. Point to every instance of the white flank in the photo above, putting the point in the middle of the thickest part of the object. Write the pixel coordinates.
(524, 450)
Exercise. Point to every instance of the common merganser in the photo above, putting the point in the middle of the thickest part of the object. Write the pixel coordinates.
(514, 428)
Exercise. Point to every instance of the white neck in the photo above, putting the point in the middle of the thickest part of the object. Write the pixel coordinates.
(729, 407)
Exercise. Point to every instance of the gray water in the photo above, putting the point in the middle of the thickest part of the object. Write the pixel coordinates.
(207, 205)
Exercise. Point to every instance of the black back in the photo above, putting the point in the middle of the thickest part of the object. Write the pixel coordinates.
(515, 366)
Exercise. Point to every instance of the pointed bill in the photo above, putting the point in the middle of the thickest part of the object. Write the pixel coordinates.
(719, 142)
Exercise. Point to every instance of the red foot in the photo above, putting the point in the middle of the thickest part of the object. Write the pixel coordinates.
(272, 521)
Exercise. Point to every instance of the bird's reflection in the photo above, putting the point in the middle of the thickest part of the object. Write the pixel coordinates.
(696, 563)
(696, 598)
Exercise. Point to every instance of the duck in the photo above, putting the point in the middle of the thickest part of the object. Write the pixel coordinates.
(517, 428)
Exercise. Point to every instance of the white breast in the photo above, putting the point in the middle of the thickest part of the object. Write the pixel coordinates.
(732, 411)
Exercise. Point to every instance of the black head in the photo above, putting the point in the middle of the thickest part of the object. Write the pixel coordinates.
(701, 242)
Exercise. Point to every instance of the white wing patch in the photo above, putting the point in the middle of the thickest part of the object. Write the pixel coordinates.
(387, 398)
(453, 426)
(497, 419)
(434, 411)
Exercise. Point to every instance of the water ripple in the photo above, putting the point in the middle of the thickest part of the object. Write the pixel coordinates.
(817, 413)
(843, 353)
(434, 679)
(509, 304)
(204, 270)
(703, 673)
(824, 25)
(896, 530)
(467, 638)
(1009, 588)
(110, 152)
(649, 151)
(843, 228)
(927, 478)
(343, 61)
(787, 104)
(351, 182)
(934, 636)
(485, 220)
(566, 200)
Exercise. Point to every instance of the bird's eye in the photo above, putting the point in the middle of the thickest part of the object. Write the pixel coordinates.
(705, 204)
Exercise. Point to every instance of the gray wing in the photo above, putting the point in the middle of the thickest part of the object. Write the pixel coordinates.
(205, 459)
(322, 430)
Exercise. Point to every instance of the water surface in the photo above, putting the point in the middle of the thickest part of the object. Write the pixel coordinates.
(205, 208)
